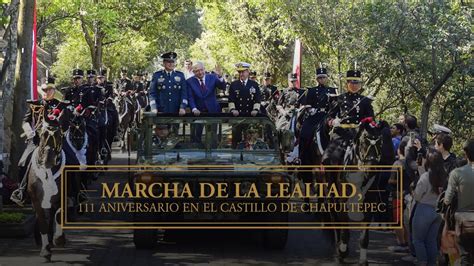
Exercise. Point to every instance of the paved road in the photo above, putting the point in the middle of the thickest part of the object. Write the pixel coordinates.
(114, 247)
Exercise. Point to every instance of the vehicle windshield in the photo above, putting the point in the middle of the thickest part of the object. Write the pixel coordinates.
(211, 133)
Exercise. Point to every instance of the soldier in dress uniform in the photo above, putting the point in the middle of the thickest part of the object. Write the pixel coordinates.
(139, 88)
(107, 90)
(87, 97)
(32, 121)
(317, 101)
(268, 91)
(244, 99)
(349, 109)
(108, 119)
(124, 84)
(91, 75)
(244, 93)
(168, 90)
(253, 75)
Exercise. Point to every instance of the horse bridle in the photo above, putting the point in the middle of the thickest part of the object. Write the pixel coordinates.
(372, 144)
(57, 146)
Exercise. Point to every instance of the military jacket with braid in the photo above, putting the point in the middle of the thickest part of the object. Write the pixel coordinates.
(351, 108)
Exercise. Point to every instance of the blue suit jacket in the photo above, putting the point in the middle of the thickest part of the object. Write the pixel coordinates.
(168, 93)
(204, 101)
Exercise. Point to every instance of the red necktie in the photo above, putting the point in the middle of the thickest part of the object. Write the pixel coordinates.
(203, 86)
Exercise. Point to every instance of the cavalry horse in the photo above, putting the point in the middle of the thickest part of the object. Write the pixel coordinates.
(44, 182)
(75, 147)
(372, 145)
(127, 111)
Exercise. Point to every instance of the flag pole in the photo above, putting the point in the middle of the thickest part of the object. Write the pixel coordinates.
(34, 69)
(297, 62)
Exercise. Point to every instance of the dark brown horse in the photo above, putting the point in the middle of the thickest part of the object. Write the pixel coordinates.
(372, 145)
(44, 183)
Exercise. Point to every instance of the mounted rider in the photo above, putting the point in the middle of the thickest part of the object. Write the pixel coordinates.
(139, 88)
(107, 90)
(49, 105)
(348, 110)
(317, 101)
(269, 92)
(124, 84)
(86, 96)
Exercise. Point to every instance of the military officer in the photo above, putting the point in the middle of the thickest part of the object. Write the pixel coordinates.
(244, 99)
(108, 117)
(87, 97)
(124, 84)
(348, 110)
(268, 92)
(317, 102)
(105, 86)
(253, 75)
(244, 93)
(35, 116)
(91, 75)
(252, 141)
(168, 91)
(292, 95)
(139, 88)
(162, 138)
(76, 93)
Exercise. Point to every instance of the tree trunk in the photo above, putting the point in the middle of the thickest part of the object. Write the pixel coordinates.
(7, 77)
(96, 52)
(425, 111)
(22, 79)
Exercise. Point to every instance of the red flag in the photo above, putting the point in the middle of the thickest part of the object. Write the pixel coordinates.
(34, 73)
(297, 62)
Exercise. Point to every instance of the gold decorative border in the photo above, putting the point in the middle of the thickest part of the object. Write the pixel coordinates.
(289, 225)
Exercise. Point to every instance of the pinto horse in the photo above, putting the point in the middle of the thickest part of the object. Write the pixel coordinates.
(44, 182)
(372, 145)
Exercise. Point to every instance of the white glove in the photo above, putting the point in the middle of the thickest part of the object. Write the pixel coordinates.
(196, 112)
(254, 113)
(28, 131)
(336, 122)
(182, 111)
(153, 106)
(235, 112)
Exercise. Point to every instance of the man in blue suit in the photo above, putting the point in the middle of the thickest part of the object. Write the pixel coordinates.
(168, 89)
(202, 90)
(202, 96)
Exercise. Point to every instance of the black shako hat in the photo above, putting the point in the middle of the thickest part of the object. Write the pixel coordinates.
(77, 73)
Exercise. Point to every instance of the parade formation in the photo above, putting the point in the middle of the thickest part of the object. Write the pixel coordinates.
(77, 125)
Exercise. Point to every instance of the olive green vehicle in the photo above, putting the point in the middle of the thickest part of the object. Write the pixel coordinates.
(246, 150)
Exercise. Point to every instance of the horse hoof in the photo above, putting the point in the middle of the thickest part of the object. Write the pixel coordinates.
(46, 253)
(60, 241)
(342, 254)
